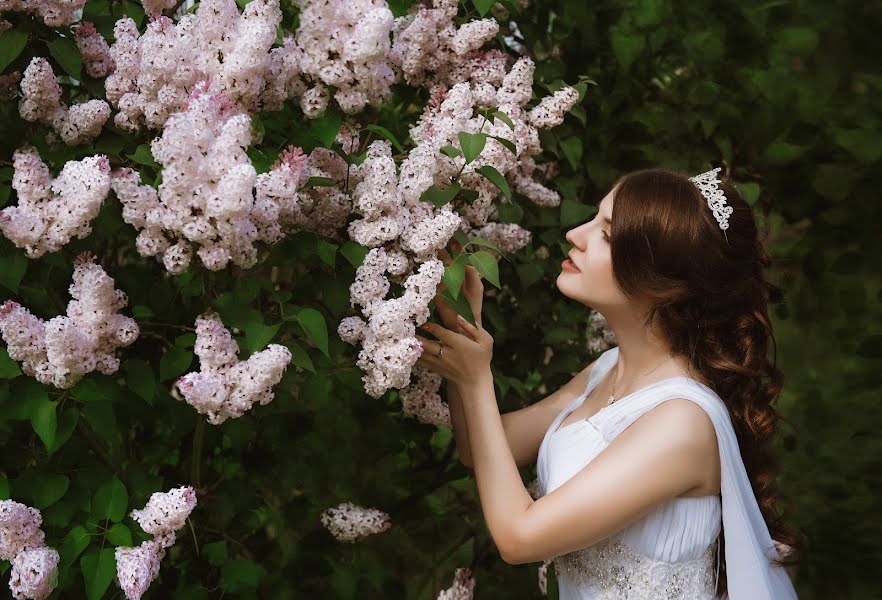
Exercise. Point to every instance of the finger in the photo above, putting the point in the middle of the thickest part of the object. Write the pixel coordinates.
(430, 348)
(467, 328)
(474, 292)
(445, 257)
(442, 333)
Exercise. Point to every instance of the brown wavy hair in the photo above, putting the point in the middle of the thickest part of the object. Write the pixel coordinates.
(709, 297)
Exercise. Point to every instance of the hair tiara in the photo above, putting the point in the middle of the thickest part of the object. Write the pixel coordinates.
(716, 199)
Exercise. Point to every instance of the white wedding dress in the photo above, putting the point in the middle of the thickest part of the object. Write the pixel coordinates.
(670, 552)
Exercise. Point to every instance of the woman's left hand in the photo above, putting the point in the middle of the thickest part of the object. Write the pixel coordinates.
(466, 355)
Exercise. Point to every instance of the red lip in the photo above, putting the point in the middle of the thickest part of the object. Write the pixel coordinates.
(569, 265)
(573, 261)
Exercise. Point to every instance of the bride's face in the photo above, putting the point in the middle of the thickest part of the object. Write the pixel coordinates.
(593, 284)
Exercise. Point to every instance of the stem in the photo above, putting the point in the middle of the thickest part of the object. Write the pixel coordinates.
(196, 459)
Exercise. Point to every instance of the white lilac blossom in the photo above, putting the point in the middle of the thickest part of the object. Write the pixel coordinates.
(41, 102)
(463, 587)
(54, 13)
(344, 45)
(94, 50)
(34, 572)
(422, 400)
(600, 336)
(551, 110)
(349, 522)
(534, 489)
(19, 528)
(207, 193)
(51, 212)
(64, 349)
(164, 513)
(137, 567)
(226, 387)
(389, 348)
(155, 71)
(155, 8)
(508, 237)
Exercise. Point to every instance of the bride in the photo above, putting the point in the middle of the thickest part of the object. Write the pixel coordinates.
(655, 472)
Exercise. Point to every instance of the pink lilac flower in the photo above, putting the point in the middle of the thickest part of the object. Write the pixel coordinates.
(51, 212)
(19, 528)
(422, 400)
(94, 50)
(164, 513)
(41, 101)
(54, 13)
(600, 336)
(542, 573)
(349, 522)
(34, 573)
(463, 587)
(226, 387)
(137, 567)
(508, 237)
(67, 347)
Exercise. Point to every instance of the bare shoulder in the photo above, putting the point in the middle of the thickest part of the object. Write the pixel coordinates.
(679, 422)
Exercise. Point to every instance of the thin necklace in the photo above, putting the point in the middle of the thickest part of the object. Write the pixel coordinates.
(612, 397)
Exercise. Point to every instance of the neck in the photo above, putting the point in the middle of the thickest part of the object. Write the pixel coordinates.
(641, 349)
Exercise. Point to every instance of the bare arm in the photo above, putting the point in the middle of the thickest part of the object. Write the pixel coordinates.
(525, 427)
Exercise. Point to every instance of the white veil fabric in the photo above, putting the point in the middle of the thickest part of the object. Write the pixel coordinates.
(749, 547)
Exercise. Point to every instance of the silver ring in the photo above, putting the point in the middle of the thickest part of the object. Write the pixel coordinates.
(440, 349)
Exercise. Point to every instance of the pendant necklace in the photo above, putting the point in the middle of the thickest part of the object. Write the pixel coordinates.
(612, 397)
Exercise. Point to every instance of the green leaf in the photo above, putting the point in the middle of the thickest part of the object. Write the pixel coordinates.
(478, 240)
(573, 213)
(313, 323)
(143, 156)
(44, 488)
(98, 567)
(496, 179)
(12, 42)
(451, 151)
(12, 269)
(44, 421)
(240, 574)
(327, 252)
(186, 340)
(483, 6)
(67, 54)
(453, 276)
(140, 379)
(174, 362)
(472, 144)
(215, 552)
(386, 134)
(258, 335)
(326, 127)
(319, 182)
(354, 252)
(504, 118)
(486, 265)
(626, 45)
(110, 501)
(438, 196)
(76, 540)
(572, 151)
(507, 143)
(749, 191)
(65, 429)
(119, 535)
(299, 356)
(510, 212)
(9, 369)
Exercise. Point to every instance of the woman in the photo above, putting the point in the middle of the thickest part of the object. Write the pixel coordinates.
(654, 462)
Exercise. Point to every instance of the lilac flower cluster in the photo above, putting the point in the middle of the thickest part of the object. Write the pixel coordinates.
(207, 192)
(389, 347)
(61, 351)
(349, 522)
(340, 45)
(600, 336)
(463, 587)
(34, 570)
(94, 50)
(422, 400)
(41, 102)
(54, 13)
(154, 71)
(164, 513)
(50, 212)
(226, 387)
